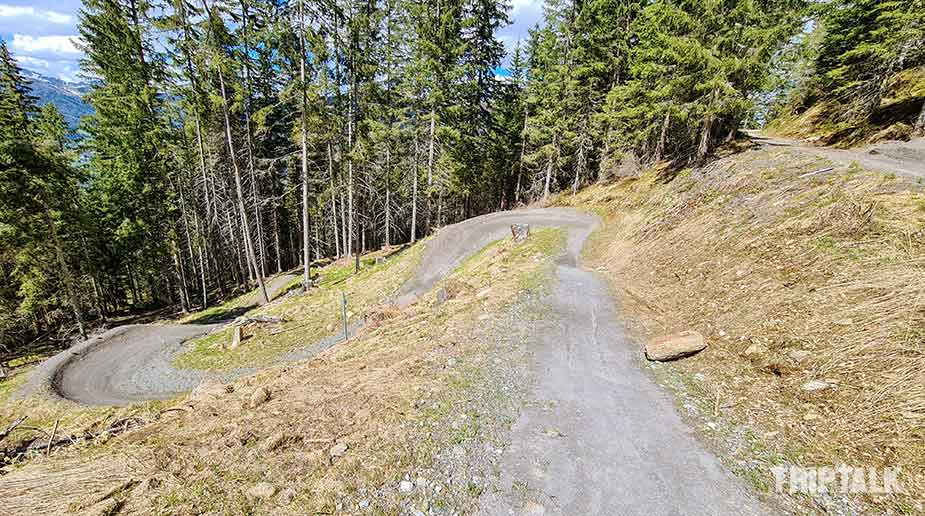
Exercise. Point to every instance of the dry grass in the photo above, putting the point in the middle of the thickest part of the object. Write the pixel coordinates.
(749, 253)
(380, 393)
(308, 317)
(892, 120)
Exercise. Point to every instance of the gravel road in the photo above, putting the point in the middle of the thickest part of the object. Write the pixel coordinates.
(129, 363)
(597, 435)
(902, 158)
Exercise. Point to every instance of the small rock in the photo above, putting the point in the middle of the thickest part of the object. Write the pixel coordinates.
(286, 496)
(810, 417)
(799, 355)
(451, 362)
(260, 396)
(273, 442)
(756, 349)
(483, 293)
(442, 296)
(262, 490)
(364, 504)
(712, 426)
(672, 347)
(816, 385)
(405, 486)
(338, 450)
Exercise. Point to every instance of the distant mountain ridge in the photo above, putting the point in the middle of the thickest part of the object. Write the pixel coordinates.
(66, 96)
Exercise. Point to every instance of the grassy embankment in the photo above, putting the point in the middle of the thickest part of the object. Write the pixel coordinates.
(408, 387)
(893, 119)
(791, 279)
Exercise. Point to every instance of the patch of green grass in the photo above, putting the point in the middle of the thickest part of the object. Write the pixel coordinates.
(308, 317)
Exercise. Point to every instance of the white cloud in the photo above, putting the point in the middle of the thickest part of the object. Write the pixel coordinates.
(51, 44)
(524, 5)
(33, 62)
(19, 11)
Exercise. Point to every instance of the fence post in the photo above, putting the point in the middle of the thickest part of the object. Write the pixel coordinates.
(343, 308)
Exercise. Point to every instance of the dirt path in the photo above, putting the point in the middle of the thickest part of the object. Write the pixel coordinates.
(597, 436)
(130, 363)
(903, 158)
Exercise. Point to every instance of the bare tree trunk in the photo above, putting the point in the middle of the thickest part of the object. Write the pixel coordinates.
(239, 189)
(333, 202)
(919, 129)
(262, 256)
(704, 148)
(523, 154)
(66, 272)
(414, 191)
(431, 143)
(181, 278)
(388, 211)
(663, 137)
(306, 257)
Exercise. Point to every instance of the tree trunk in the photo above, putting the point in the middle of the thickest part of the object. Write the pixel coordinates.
(388, 211)
(333, 203)
(262, 256)
(414, 191)
(919, 129)
(306, 257)
(704, 148)
(663, 137)
(239, 189)
(66, 273)
(523, 154)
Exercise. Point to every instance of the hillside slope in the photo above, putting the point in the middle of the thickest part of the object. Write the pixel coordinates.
(795, 274)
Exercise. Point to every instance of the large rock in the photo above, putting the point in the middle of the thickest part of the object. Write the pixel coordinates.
(260, 396)
(262, 490)
(675, 346)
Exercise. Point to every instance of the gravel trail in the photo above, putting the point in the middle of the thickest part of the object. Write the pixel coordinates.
(903, 158)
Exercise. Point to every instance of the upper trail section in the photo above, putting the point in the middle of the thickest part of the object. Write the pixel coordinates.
(903, 158)
(133, 363)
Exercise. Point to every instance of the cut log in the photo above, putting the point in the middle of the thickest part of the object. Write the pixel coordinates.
(520, 232)
(236, 334)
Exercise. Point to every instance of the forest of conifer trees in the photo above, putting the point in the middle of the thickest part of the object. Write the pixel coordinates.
(234, 139)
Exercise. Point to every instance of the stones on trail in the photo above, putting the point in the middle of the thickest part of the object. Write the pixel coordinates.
(675, 346)
(799, 355)
(817, 385)
(260, 396)
(520, 232)
(273, 442)
(262, 491)
(286, 496)
(755, 349)
(442, 296)
(338, 450)
(405, 486)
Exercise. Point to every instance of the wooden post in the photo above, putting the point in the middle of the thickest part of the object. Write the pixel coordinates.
(343, 308)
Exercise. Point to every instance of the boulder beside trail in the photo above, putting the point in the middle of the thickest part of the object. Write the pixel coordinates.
(675, 346)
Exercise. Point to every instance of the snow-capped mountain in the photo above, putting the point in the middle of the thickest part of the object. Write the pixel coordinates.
(67, 96)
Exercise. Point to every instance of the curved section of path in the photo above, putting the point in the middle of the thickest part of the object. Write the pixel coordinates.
(903, 158)
(130, 363)
(597, 436)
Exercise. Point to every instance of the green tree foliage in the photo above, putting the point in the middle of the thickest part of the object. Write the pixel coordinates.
(232, 139)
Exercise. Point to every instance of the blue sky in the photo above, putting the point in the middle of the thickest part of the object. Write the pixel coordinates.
(42, 34)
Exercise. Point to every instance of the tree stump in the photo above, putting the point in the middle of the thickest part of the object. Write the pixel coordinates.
(520, 232)
(236, 334)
